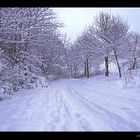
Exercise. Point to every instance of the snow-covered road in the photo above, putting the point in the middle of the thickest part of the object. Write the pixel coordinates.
(94, 104)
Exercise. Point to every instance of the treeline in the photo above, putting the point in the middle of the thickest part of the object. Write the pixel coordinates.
(106, 40)
(32, 48)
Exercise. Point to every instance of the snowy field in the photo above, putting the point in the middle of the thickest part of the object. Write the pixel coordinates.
(94, 104)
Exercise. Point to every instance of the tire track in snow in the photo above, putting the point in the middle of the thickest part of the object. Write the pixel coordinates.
(59, 118)
(115, 120)
(83, 116)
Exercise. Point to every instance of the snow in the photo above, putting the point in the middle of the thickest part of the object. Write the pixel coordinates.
(94, 104)
(112, 67)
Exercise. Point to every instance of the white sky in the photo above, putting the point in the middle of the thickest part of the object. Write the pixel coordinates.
(76, 19)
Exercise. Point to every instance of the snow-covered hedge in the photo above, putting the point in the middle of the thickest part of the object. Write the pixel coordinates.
(132, 78)
(16, 78)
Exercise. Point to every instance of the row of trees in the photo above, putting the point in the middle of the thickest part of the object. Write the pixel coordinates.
(31, 46)
(106, 40)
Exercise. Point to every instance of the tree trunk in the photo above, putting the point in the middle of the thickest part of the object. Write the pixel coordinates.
(106, 66)
(74, 74)
(71, 71)
(75, 71)
(134, 63)
(118, 65)
(87, 67)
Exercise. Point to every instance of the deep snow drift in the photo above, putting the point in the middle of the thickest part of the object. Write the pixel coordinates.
(94, 104)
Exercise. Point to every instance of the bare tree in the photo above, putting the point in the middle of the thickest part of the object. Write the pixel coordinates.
(110, 30)
(133, 46)
(100, 28)
(88, 49)
(118, 32)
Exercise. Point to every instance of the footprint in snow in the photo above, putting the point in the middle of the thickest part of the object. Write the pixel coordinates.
(82, 123)
(55, 117)
(50, 126)
(64, 127)
(125, 108)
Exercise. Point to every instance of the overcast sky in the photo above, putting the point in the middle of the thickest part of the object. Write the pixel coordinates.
(76, 19)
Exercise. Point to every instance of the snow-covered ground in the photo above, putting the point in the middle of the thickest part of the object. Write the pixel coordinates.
(95, 104)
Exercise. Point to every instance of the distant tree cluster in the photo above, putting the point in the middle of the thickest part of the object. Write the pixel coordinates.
(106, 40)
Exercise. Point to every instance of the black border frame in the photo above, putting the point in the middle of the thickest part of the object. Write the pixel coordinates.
(96, 135)
(70, 3)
